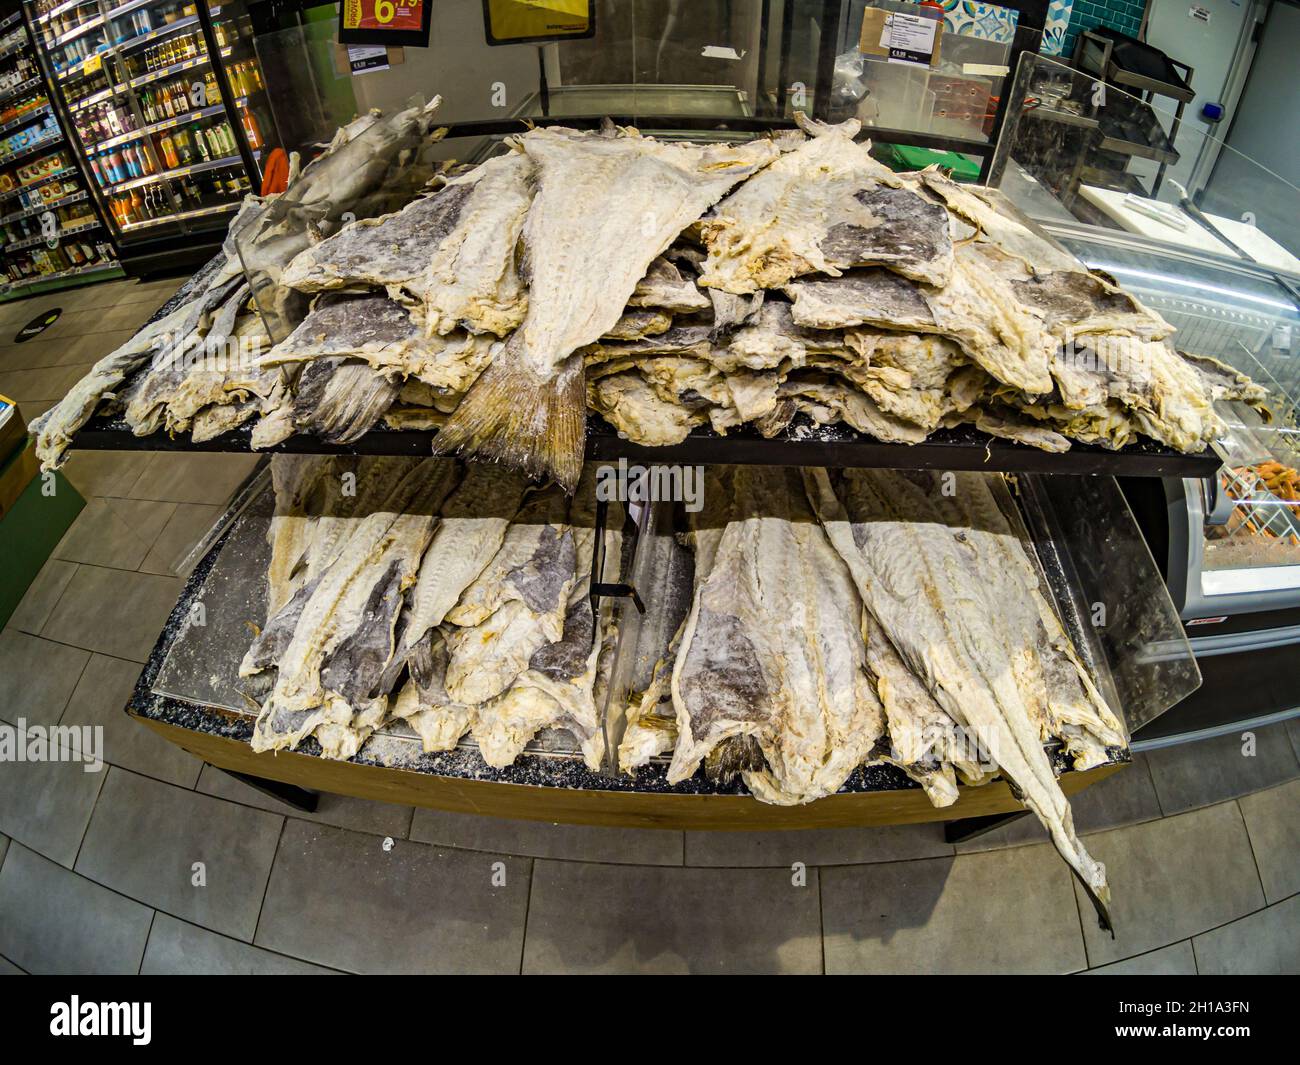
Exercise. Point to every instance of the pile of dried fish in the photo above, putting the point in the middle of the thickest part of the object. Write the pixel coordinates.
(665, 286)
(454, 598)
(870, 616)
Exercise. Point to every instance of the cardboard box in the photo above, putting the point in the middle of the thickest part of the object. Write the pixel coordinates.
(15, 475)
(13, 429)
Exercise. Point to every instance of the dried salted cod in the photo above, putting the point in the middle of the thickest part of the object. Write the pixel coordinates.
(470, 531)
(472, 281)
(772, 650)
(924, 584)
(344, 632)
(823, 207)
(632, 406)
(664, 287)
(557, 690)
(340, 400)
(516, 605)
(381, 332)
(606, 206)
(55, 428)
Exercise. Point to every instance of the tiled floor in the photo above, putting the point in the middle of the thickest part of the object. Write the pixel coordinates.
(159, 864)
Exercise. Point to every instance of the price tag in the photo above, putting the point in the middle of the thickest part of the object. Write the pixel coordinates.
(909, 39)
(93, 64)
(390, 22)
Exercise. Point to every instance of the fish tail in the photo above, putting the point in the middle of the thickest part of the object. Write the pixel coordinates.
(513, 416)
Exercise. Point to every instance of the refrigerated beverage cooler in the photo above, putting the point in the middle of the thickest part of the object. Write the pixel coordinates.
(167, 105)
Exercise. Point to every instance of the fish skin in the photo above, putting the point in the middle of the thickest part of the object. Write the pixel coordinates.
(470, 531)
(922, 584)
(825, 206)
(769, 652)
(472, 280)
(528, 408)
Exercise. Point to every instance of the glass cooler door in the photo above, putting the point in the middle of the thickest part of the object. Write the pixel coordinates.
(155, 132)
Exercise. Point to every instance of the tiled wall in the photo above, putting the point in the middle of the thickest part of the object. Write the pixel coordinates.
(1122, 15)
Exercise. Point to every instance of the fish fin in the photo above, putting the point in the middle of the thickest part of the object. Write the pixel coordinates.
(512, 416)
(1101, 905)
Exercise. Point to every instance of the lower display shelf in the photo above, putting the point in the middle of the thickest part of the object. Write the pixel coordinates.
(549, 781)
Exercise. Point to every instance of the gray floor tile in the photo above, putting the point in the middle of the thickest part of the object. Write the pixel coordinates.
(816, 846)
(38, 602)
(339, 899)
(54, 921)
(186, 527)
(47, 805)
(1293, 730)
(192, 478)
(618, 918)
(1125, 797)
(49, 382)
(100, 700)
(1209, 771)
(33, 408)
(145, 837)
(342, 811)
(8, 968)
(1158, 873)
(1273, 822)
(1176, 959)
(114, 612)
(178, 948)
(4, 847)
(39, 677)
(1265, 942)
(953, 915)
(537, 839)
(105, 473)
(114, 532)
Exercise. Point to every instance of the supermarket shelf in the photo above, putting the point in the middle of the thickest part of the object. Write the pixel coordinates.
(18, 90)
(76, 271)
(175, 68)
(127, 8)
(962, 448)
(158, 127)
(30, 150)
(201, 212)
(22, 120)
(19, 47)
(37, 184)
(178, 172)
(42, 19)
(31, 242)
(78, 31)
(78, 68)
(27, 212)
(129, 43)
(9, 20)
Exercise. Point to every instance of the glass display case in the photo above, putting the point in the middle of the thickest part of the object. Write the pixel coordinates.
(172, 140)
(50, 230)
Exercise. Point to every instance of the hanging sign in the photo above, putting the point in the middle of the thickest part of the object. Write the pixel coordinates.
(395, 22)
(518, 21)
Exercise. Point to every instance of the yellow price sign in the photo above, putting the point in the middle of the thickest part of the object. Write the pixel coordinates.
(516, 21)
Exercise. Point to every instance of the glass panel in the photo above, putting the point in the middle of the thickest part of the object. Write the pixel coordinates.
(139, 85)
(47, 220)
(1100, 151)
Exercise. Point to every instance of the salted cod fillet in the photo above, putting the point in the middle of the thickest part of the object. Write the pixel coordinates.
(821, 208)
(380, 547)
(772, 650)
(606, 206)
(926, 588)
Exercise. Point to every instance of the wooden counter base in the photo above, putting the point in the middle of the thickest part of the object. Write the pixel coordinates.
(593, 807)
